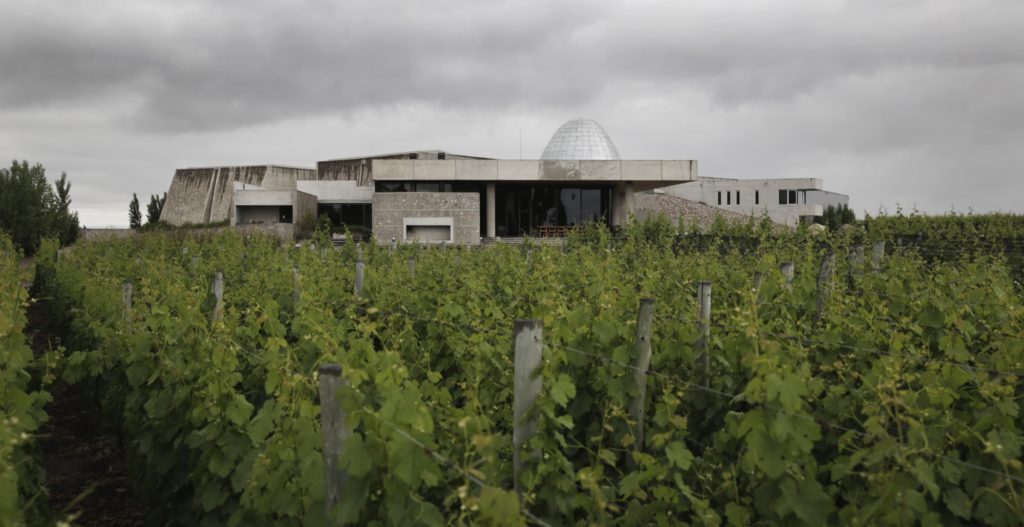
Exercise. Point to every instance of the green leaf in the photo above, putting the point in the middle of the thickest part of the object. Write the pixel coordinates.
(923, 472)
(355, 457)
(239, 410)
(563, 389)
(958, 503)
(679, 455)
(500, 507)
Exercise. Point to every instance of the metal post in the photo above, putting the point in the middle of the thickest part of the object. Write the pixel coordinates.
(528, 345)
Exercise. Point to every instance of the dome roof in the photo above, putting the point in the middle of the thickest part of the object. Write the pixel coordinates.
(580, 139)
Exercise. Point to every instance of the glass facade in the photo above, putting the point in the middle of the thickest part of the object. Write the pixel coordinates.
(347, 214)
(521, 209)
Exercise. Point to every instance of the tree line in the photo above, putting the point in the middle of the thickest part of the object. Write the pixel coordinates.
(153, 211)
(31, 209)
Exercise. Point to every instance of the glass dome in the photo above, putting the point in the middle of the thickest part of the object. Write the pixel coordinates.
(580, 139)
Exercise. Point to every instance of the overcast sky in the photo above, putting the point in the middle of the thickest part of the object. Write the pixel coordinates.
(910, 102)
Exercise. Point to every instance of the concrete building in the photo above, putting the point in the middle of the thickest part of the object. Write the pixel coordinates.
(435, 196)
(785, 200)
(438, 196)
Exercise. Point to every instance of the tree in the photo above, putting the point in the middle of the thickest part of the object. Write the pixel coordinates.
(835, 217)
(26, 205)
(155, 208)
(134, 214)
(30, 209)
(65, 220)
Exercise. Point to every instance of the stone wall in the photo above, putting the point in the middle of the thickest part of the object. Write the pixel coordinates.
(393, 211)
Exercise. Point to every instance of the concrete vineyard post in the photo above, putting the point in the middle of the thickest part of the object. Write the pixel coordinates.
(855, 264)
(126, 299)
(218, 293)
(704, 330)
(642, 347)
(877, 254)
(412, 268)
(394, 243)
(528, 348)
(295, 285)
(788, 271)
(758, 280)
(824, 276)
(332, 425)
(360, 269)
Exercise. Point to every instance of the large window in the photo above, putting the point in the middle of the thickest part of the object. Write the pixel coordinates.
(521, 209)
(347, 214)
(787, 197)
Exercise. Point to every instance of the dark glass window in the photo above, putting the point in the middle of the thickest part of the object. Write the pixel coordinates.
(719, 197)
(284, 214)
(737, 197)
(572, 205)
(782, 197)
(792, 197)
(522, 208)
(757, 197)
(423, 186)
(728, 198)
(591, 209)
(392, 186)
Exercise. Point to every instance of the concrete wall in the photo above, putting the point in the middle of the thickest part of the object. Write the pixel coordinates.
(100, 234)
(205, 195)
(303, 205)
(255, 206)
(337, 191)
(645, 174)
(826, 198)
(394, 212)
(756, 196)
(248, 214)
(360, 169)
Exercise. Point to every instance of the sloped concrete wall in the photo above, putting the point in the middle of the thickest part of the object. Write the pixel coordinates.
(206, 195)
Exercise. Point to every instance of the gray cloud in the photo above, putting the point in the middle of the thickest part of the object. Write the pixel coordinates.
(794, 87)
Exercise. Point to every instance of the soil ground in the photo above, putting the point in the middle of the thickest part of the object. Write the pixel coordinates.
(85, 470)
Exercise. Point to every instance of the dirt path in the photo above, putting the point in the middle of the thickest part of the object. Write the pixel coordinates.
(85, 470)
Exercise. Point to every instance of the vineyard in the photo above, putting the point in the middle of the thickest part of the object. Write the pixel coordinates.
(21, 400)
(616, 381)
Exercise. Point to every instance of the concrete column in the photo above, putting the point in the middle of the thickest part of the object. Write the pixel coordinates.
(619, 205)
(630, 202)
(491, 205)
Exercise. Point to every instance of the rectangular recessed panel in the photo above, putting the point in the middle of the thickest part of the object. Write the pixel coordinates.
(428, 233)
